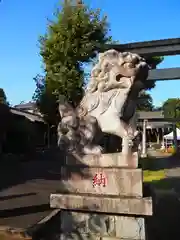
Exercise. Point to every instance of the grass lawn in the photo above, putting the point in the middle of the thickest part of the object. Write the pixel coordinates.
(150, 175)
(158, 180)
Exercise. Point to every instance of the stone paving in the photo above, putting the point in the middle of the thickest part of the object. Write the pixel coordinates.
(24, 197)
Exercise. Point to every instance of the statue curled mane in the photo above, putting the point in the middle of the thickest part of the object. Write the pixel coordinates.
(110, 74)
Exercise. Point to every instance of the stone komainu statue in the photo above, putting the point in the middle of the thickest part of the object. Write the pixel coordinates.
(108, 105)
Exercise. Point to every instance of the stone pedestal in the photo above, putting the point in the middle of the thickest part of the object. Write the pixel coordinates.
(102, 198)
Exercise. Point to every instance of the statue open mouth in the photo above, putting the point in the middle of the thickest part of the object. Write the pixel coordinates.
(118, 77)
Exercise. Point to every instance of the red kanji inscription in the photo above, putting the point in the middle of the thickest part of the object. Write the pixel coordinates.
(99, 179)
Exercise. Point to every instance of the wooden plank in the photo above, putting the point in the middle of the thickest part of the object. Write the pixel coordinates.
(165, 47)
(104, 160)
(115, 181)
(164, 74)
(129, 206)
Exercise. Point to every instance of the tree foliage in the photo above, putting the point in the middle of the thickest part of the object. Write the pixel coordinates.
(70, 41)
(46, 101)
(5, 116)
(153, 62)
(171, 108)
(145, 102)
(3, 98)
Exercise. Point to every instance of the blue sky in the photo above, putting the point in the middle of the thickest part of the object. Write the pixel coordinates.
(22, 21)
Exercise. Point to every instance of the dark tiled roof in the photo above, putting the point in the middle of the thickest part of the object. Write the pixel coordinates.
(156, 124)
(150, 115)
(153, 115)
(31, 116)
(29, 105)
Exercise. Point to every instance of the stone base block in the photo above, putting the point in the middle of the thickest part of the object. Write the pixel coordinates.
(107, 181)
(132, 206)
(75, 225)
(104, 160)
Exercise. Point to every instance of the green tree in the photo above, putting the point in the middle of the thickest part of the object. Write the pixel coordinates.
(153, 63)
(72, 39)
(3, 98)
(70, 42)
(145, 102)
(46, 101)
(171, 108)
(5, 117)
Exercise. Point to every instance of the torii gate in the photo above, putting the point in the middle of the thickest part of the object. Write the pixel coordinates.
(165, 47)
